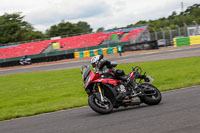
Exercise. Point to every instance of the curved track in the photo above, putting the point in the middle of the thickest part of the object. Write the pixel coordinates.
(177, 113)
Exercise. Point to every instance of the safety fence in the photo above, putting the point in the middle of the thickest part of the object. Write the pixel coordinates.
(185, 41)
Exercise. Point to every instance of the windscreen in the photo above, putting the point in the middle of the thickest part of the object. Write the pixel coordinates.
(86, 72)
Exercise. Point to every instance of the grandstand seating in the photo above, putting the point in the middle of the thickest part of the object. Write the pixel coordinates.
(85, 40)
(24, 49)
(132, 34)
(66, 43)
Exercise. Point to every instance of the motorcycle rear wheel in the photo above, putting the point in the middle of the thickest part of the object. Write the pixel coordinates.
(153, 99)
(97, 106)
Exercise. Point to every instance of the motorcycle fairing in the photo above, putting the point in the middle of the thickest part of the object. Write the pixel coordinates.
(92, 76)
(131, 74)
(107, 81)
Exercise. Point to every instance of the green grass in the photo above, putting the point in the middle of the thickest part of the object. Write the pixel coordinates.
(35, 93)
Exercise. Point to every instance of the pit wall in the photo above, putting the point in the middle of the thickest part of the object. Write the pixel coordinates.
(186, 41)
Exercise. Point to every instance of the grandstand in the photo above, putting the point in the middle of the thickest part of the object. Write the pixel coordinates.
(132, 35)
(85, 40)
(74, 42)
(31, 48)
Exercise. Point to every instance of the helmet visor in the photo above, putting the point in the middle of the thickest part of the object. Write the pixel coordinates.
(93, 65)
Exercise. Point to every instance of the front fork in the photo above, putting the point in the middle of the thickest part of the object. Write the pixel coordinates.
(134, 87)
(100, 93)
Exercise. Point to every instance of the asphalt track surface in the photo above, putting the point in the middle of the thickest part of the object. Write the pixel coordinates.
(162, 55)
(177, 113)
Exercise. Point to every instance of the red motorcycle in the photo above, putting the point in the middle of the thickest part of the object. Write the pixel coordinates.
(107, 91)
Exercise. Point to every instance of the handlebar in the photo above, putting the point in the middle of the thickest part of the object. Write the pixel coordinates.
(137, 69)
(138, 73)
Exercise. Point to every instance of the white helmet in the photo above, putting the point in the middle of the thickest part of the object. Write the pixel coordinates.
(95, 60)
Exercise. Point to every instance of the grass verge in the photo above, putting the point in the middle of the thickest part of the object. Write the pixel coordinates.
(36, 93)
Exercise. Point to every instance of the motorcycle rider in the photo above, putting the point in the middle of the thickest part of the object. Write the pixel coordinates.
(25, 57)
(22, 60)
(25, 60)
(99, 64)
(106, 67)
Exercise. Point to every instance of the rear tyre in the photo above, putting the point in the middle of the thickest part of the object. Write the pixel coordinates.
(99, 107)
(152, 94)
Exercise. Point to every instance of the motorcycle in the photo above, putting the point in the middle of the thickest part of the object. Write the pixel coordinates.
(26, 61)
(106, 91)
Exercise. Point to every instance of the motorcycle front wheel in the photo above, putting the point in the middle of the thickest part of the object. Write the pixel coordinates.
(152, 95)
(105, 107)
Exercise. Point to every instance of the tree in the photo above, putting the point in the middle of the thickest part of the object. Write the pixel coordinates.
(85, 27)
(188, 16)
(141, 23)
(14, 29)
(101, 29)
(67, 28)
(174, 14)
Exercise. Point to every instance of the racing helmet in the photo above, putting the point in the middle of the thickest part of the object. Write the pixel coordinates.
(95, 60)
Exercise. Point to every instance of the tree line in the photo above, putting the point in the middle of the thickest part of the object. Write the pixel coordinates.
(187, 17)
(13, 28)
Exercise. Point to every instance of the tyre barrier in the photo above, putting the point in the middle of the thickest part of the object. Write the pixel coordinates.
(104, 51)
(186, 41)
(194, 40)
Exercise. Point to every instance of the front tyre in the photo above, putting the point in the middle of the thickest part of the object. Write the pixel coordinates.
(152, 95)
(105, 107)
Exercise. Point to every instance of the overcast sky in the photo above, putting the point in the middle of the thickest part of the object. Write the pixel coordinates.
(98, 13)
